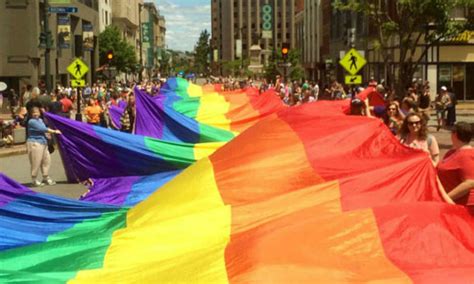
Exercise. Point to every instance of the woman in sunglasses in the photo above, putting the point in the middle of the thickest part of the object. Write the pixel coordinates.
(393, 118)
(414, 133)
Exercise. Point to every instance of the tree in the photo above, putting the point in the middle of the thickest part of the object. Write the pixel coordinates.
(165, 62)
(295, 72)
(232, 66)
(124, 53)
(202, 51)
(411, 26)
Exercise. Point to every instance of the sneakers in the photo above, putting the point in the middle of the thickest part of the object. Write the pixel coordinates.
(37, 183)
(49, 181)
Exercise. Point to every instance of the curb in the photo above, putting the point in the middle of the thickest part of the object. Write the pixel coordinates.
(13, 152)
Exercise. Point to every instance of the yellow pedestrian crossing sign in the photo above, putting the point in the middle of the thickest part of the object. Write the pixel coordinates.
(78, 83)
(353, 61)
(77, 68)
(353, 80)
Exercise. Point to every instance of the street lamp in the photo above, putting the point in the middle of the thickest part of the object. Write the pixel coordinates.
(241, 48)
(140, 7)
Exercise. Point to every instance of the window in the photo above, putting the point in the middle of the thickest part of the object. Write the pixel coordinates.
(16, 4)
(458, 12)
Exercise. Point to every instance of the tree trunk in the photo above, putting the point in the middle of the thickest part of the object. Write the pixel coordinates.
(405, 77)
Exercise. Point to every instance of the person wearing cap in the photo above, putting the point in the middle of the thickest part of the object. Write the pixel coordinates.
(441, 102)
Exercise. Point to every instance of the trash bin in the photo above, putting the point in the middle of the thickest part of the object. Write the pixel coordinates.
(19, 135)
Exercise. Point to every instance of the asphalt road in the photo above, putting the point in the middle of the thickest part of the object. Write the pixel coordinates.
(17, 167)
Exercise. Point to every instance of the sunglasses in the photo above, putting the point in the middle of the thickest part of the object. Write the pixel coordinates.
(392, 108)
(413, 123)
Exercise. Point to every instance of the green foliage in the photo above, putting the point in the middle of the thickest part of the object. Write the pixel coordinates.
(202, 51)
(182, 62)
(165, 62)
(124, 53)
(232, 66)
(296, 72)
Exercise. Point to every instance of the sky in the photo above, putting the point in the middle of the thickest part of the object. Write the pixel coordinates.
(185, 19)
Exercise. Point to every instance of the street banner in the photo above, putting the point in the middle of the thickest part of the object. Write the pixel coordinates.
(146, 32)
(87, 37)
(267, 21)
(64, 31)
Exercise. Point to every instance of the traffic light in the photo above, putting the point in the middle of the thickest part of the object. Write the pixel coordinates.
(285, 49)
(110, 55)
(42, 40)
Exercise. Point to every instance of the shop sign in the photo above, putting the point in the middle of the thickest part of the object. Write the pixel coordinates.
(464, 37)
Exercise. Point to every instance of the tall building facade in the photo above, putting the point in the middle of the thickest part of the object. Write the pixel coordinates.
(153, 36)
(126, 16)
(312, 39)
(161, 32)
(237, 25)
(105, 14)
(22, 61)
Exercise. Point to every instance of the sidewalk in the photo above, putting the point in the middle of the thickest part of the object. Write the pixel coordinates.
(465, 106)
(18, 149)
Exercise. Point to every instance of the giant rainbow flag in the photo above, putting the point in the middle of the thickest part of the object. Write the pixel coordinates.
(186, 112)
(119, 164)
(123, 162)
(296, 198)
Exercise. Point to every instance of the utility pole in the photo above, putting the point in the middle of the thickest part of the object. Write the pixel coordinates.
(47, 57)
(140, 7)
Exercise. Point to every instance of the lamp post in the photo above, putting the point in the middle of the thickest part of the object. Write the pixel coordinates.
(47, 58)
(242, 49)
(140, 7)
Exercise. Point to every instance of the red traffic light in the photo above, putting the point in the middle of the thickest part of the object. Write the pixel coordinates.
(284, 50)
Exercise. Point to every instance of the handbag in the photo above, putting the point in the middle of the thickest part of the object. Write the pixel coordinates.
(50, 146)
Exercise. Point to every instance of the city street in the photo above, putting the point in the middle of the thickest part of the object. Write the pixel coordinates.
(17, 168)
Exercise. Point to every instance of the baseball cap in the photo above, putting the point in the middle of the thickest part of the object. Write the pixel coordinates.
(444, 88)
